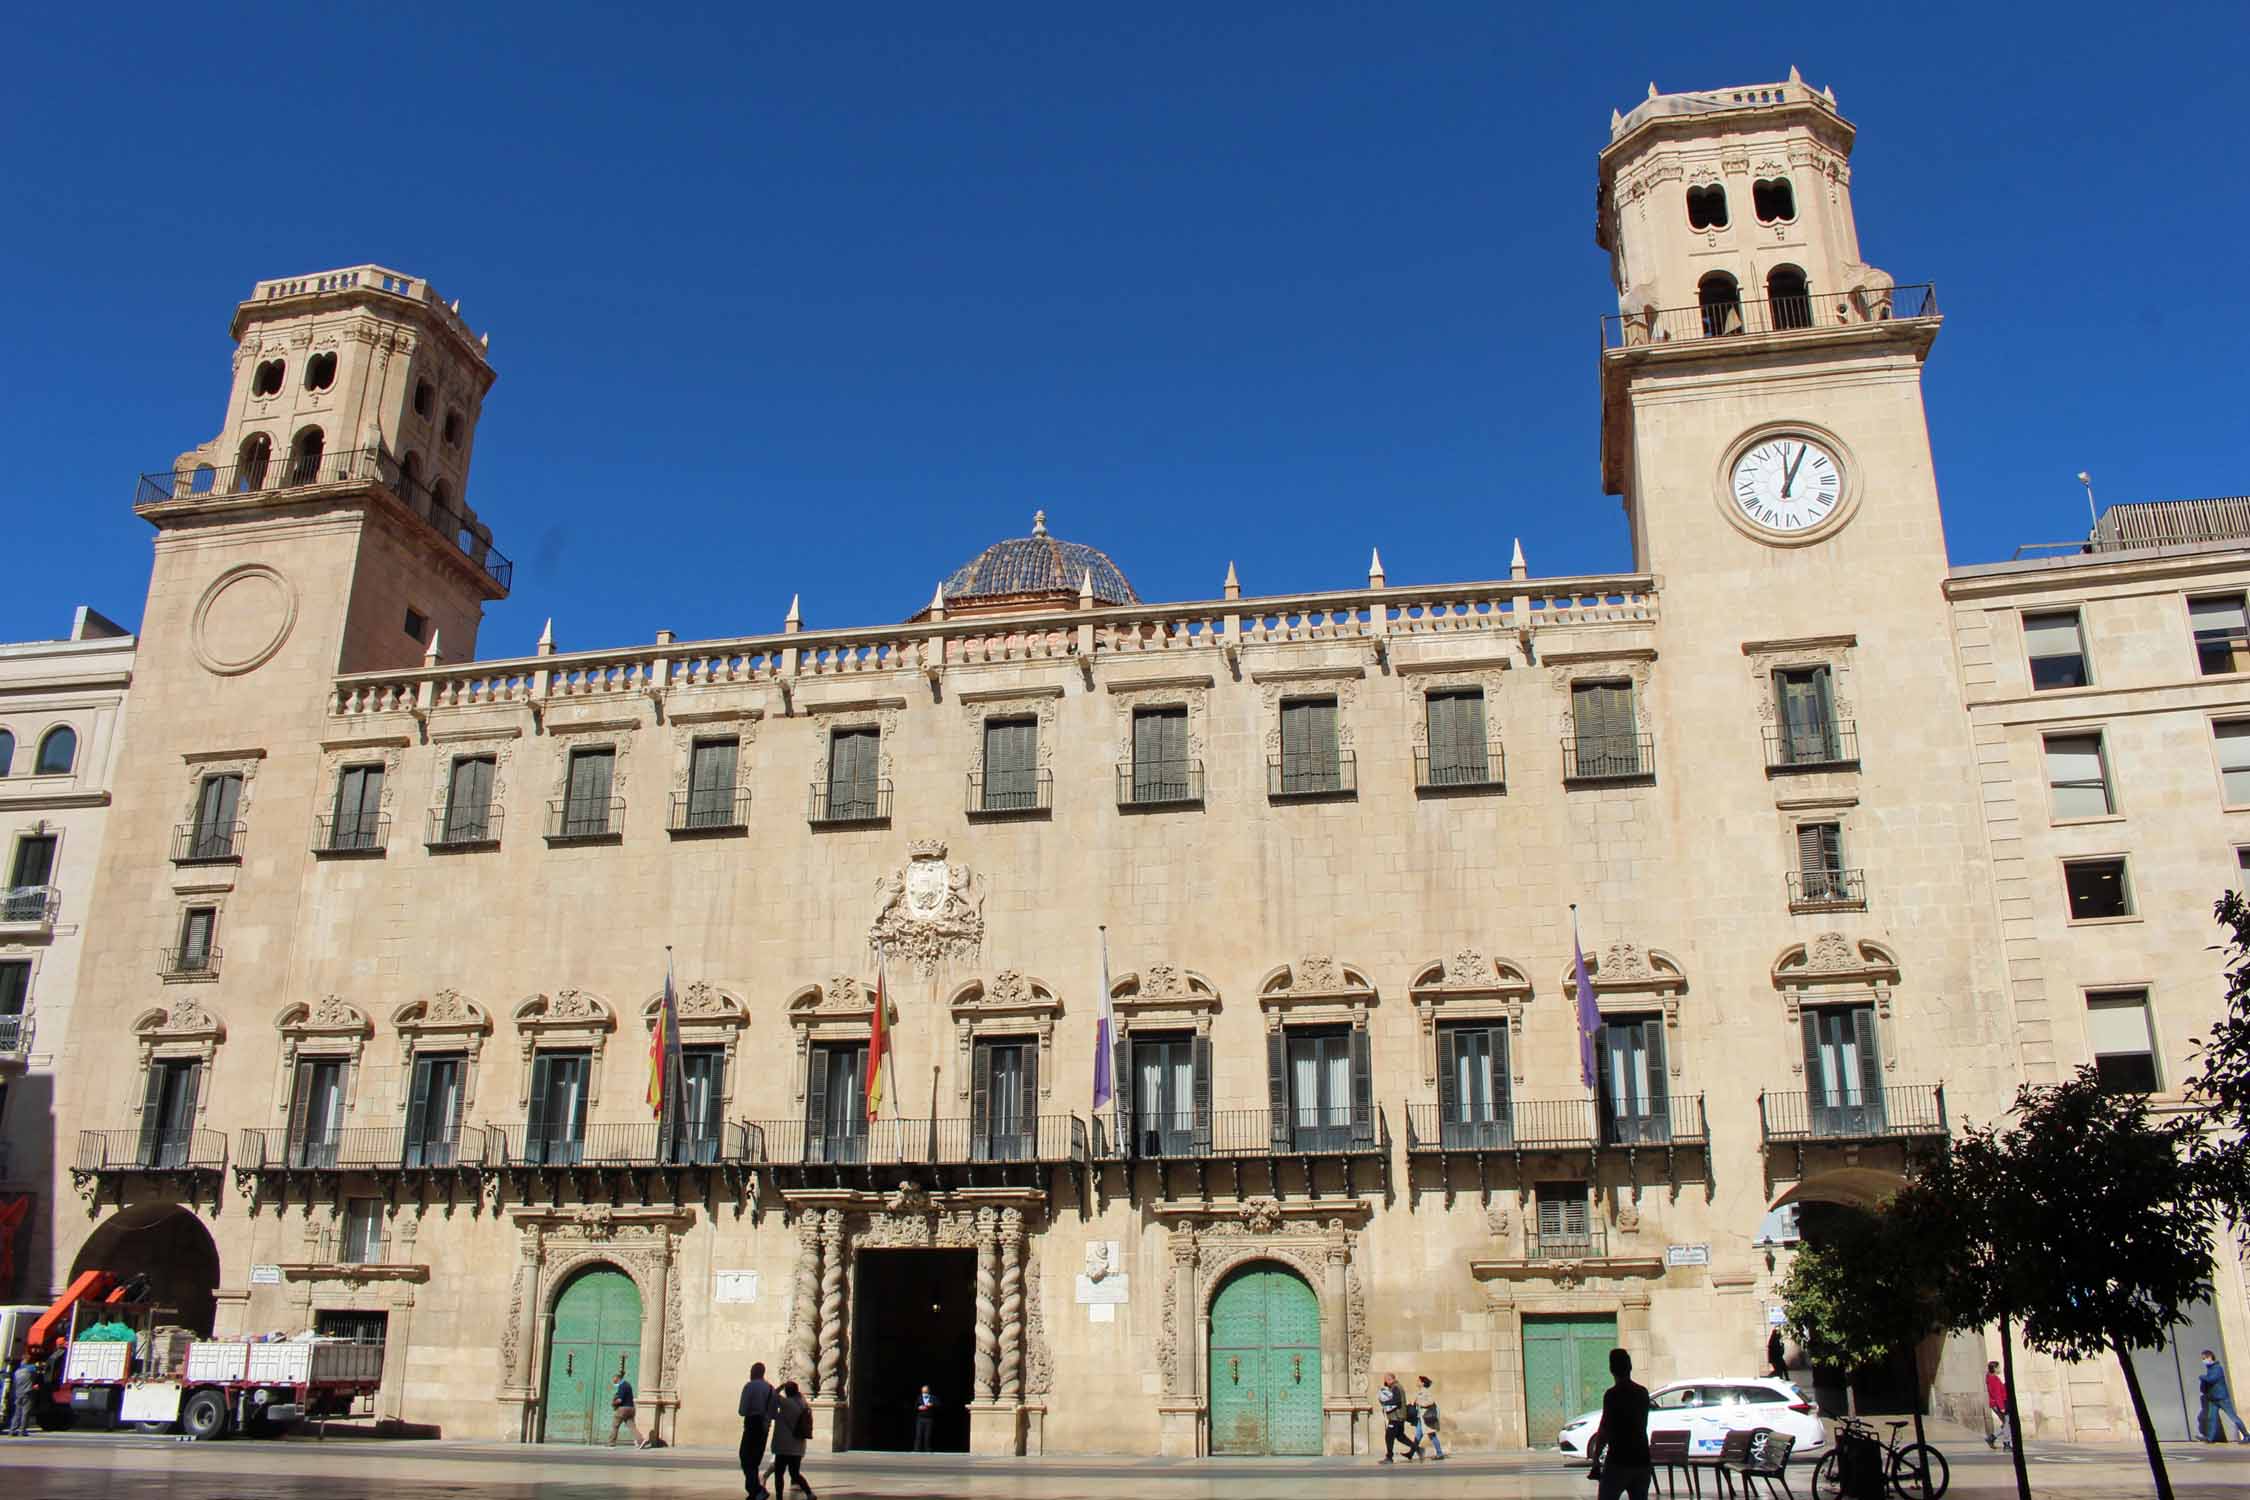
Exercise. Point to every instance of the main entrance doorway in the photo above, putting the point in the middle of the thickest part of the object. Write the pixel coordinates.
(1265, 1363)
(915, 1324)
(1565, 1371)
(597, 1337)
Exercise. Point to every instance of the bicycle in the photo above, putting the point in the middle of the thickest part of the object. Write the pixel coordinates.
(1915, 1471)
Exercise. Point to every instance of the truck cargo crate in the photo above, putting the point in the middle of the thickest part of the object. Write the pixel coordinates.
(150, 1401)
(213, 1362)
(89, 1361)
(280, 1364)
(348, 1364)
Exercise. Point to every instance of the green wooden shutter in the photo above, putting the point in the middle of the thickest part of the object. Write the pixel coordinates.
(1500, 1072)
(1813, 1086)
(1457, 739)
(418, 1142)
(1657, 1110)
(1870, 1063)
(816, 1105)
(152, 1112)
(1011, 758)
(1277, 1085)
(1309, 758)
(1125, 1077)
(586, 810)
(536, 1122)
(711, 783)
(1363, 1089)
(1202, 1095)
(35, 860)
(1448, 1086)
(468, 806)
(1027, 1112)
(980, 1091)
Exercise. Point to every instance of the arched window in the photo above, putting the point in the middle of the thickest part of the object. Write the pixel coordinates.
(251, 462)
(1707, 207)
(266, 379)
(7, 751)
(453, 429)
(1721, 301)
(1773, 199)
(441, 497)
(1790, 301)
(425, 398)
(304, 457)
(58, 752)
(320, 371)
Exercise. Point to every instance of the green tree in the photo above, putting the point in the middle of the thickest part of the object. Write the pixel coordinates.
(2221, 1087)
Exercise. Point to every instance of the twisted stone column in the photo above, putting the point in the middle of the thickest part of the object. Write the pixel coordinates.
(988, 1280)
(1011, 1305)
(831, 1304)
(804, 1328)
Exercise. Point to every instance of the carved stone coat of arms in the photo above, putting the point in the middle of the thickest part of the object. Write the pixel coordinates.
(929, 913)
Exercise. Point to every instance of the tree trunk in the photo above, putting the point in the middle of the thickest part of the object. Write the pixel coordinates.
(1914, 1359)
(2015, 1411)
(2140, 1414)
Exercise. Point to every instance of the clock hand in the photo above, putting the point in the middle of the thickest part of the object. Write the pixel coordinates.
(1790, 477)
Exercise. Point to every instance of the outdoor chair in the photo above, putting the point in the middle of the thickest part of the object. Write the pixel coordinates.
(1668, 1450)
(1768, 1460)
(1733, 1454)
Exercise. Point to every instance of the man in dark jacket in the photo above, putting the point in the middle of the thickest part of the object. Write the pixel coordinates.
(1622, 1438)
(756, 1409)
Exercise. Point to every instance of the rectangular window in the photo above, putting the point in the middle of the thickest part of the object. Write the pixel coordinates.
(1473, 1085)
(854, 780)
(2233, 742)
(433, 1110)
(1322, 1090)
(1171, 1095)
(468, 800)
(1004, 1099)
(316, 1112)
(1011, 765)
(417, 624)
(2222, 635)
(1605, 736)
(197, 924)
(836, 1103)
(699, 1122)
(30, 877)
(586, 804)
(1806, 707)
(2078, 776)
(15, 986)
(168, 1112)
(1161, 772)
(2124, 1047)
(555, 1129)
(2098, 889)
(1566, 1221)
(359, 804)
(712, 768)
(1635, 1098)
(2057, 650)
(1820, 861)
(363, 1232)
(1311, 761)
(352, 1326)
(1843, 1072)
(1459, 755)
(216, 806)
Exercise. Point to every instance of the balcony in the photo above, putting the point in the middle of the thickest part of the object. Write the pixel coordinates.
(1312, 778)
(585, 820)
(1268, 1140)
(463, 828)
(1159, 784)
(600, 1159)
(30, 906)
(181, 965)
(1811, 312)
(207, 843)
(365, 834)
(1595, 759)
(849, 804)
(15, 1039)
(1590, 1242)
(1814, 747)
(852, 1152)
(709, 811)
(278, 473)
(1454, 776)
(189, 1159)
(1011, 794)
(1513, 1129)
(1908, 1114)
(1827, 890)
(269, 1164)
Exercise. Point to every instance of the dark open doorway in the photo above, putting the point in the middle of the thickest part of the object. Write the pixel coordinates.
(914, 1325)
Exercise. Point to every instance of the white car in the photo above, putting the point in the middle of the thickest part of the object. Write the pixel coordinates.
(1711, 1408)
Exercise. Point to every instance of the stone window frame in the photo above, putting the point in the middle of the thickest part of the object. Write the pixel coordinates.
(1012, 1004)
(200, 764)
(1299, 684)
(1638, 981)
(1833, 969)
(1035, 703)
(1484, 674)
(46, 828)
(183, 1031)
(340, 755)
(566, 1021)
(1469, 986)
(693, 726)
(878, 714)
(1163, 997)
(1316, 990)
(1835, 652)
(473, 744)
(31, 954)
(709, 1017)
(437, 1025)
(330, 1028)
(840, 1009)
(1568, 669)
(615, 737)
(1192, 693)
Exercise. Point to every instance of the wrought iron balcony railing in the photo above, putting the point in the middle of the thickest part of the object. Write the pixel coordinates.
(585, 820)
(1608, 757)
(104, 1151)
(852, 1141)
(378, 1149)
(1814, 310)
(1485, 771)
(469, 827)
(709, 809)
(191, 963)
(1853, 1114)
(30, 903)
(363, 833)
(1310, 776)
(1011, 794)
(15, 1036)
(207, 843)
(1159, 783)
(1218, 1134)
(1588, 1243)
(840, 804)
(1827, 890)
(618, 1146)
(1812, 747)
(1555, 1125)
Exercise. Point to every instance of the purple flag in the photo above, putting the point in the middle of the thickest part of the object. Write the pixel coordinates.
(1589, 1014)
(1105, 1038)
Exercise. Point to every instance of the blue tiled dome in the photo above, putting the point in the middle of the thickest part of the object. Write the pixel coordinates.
(1029, 567)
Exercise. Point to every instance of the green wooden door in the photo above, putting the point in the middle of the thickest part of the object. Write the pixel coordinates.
(1565, 1371)
(597, 1333)
(1265, 1364)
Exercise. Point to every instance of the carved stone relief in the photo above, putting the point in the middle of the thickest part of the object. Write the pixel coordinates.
(620, 740)
(743, 730)
(1195, 698)
(500, 748)
(929, 914)
(1039, 706)
(1345, 690)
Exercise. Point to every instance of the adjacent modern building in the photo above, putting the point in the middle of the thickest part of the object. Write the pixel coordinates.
(1311, 858)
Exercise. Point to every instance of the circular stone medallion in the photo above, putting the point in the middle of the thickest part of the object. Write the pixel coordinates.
(242, 619)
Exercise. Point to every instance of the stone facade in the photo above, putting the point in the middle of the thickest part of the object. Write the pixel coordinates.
(1336, 898)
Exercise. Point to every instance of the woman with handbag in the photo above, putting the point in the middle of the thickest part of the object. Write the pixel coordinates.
(792, 1430)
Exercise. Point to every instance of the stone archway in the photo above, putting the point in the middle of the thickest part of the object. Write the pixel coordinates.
(593, 1339)
(171, 1247)
(1265, 1366)
(554, 1246)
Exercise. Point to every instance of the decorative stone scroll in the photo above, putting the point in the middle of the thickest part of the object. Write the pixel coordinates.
(565, 1019)
(841, 1010)
(1316, 988)
(930, 913)
(1469, 986)
(1630, 979)
(329, 1027)
(709, 1017)
(182, 1030)
(1163, 995)
(445, 1021)
(1012, 1003)
(1835, 970)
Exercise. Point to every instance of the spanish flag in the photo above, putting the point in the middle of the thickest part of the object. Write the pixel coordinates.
(879, 1048)
(664, 1047)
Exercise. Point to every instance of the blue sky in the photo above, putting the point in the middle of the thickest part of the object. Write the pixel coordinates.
(822, 300)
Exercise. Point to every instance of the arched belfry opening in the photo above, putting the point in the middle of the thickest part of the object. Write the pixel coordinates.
(1788, 297)
(1720, 297)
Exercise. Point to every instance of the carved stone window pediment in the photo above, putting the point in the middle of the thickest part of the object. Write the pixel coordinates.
(709, 1017)
(1835, 970)
(565, 1020)
(184, 1030)
(1011, 1003)
(1469, 986)
(1163, 995)
(446, 1021)
(329, 1027)
(840, 1009)
(1316, 988)
(1629, 979)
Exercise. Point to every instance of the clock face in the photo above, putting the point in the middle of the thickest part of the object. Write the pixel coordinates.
(1787, 484)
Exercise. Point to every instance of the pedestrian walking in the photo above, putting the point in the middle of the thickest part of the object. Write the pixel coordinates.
(925, 1420)
(1426, 1417)
(23, 1384)
(2218, 1401)
(792, 1429)
(1622, 1437)
(1777, 1358)
(621, 1410)
(756, 1410)
(1393, 1402)
(7, 1397)
(1995, 1407)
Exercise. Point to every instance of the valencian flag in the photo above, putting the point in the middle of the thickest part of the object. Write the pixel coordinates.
(1589, 1014)
(879, 1069)
(1105, 1038)
(664, 1048)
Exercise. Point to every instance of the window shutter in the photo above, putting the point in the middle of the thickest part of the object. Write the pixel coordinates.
(714, 1093)
(300, 1105)
(418, 1111)
(1448, 1086)
(1813, 1087)
(1363, 1089)
(980, 1090)
(535, 1120)
(1202, 1094)
(1658, 1107)
(1469, 738)
(1125, 1078)
(1870, 1062)
(1027, 1116)
(1574, 1217)
(1501, 1075)
(152, 1109)
(816, 1104)
(1277, 1084)
(1550, 1214)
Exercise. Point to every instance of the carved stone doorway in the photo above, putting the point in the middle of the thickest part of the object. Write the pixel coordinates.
(917, 1326)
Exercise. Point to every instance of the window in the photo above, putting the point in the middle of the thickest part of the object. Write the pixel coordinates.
(433, 1110)
(1566, 1221)
(1473, 1085)
(7, 751)
(468, 801)
(168, 1109)
(357, 820)
(316, 1112)
(1820, 863)
(31, 878)
(15, 986)
(1004, 1099)
(1721, 300)
(2078, 776)
(836, 1103)
(2117, 1028)
(425, 398)
(2098, 889)
(441, 499)
(353, 1326)
(586, 804)
(2222, 635)
(1459, 755)
(1311, 760)
(1011, 766)
(417, 624)
(305, 455)
(2057, 650)
(251, 462)
(213, 834)
(1773, 199)
(1162, 771)
(1604, 743)
(453, 428)
(1170, 1083)
(854, 789)
(1805, 705)
(1635, 1104)
(1787, 295)
(1321, 1089)
(701, 1106)
(363, 1233)
(1707, 207)
(195, 954)
(554, 1132)
(58, 752)
(1843, 1071)
(265, 380)
(711, 784)
(320, 371)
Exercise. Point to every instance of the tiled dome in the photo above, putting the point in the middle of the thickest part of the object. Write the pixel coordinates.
(1027, 568)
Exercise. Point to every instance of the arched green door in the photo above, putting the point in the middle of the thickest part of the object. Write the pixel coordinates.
(597, 1333)
(1265, 1364)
